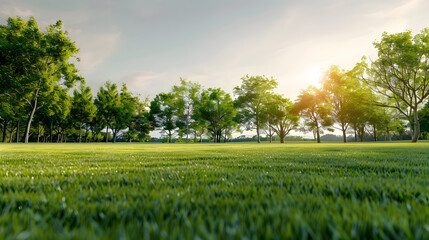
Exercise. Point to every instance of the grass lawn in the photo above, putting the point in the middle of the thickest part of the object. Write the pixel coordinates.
(214, 191)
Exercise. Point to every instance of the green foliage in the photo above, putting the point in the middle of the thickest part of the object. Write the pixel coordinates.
(187, 97)
(163, 110)
(216, 109)
(424, 117)
(108, 104)
(140, 125)
(207, 191)
(279, 116)
(83, 109)
(312, 104)
(252, 98)
(34, 63)
(400, 73)
(346, 96)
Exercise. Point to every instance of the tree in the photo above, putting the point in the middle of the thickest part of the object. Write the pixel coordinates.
(401, 74)
(252, 96)
(377, 119)
(280, 118)
(11, 111)
(96, 126)
(140, 125)
(163, 112)
(424, 117)
(126, 111)
(358, 114)
(186, 98)
(35, 61)
(312, 105)
(341, 88)
(83, 108)
(217, 110)
(108, 102)
(56, 106)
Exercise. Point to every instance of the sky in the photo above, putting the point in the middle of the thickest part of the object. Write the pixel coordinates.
(150, 44)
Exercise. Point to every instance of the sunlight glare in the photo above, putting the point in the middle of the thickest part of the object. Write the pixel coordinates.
(314, 75)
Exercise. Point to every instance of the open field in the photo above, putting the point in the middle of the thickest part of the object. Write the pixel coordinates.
(302, 190)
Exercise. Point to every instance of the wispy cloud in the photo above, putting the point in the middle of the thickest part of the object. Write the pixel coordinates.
(94, 48)
(395, 11)
(10, 11)
(144, 82)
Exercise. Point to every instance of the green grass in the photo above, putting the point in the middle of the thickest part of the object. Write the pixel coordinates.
(214, 191)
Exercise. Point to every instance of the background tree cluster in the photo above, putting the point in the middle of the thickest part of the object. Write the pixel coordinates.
(190, 110)
(380, 98)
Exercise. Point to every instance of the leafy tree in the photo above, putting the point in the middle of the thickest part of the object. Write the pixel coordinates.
(140, 125)
(280, 118)
(315, 110)
(342, 90)
(163, 112)
(401, 75)
(217, 110)
(186, 98)
(83, 108)
(96, 126)
(392, 123)
(108, 102)
(126, 111)
(34, 62)
(56, 106)
(424, 117)
(253, 95)
(11, 111)
(376, 120)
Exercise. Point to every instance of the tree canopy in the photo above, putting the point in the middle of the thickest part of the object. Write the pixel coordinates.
(400, 74)
(373, 100)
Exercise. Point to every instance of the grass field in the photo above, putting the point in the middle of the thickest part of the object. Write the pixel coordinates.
(214, 191)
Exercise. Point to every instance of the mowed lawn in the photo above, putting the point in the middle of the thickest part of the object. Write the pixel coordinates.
(214, 191)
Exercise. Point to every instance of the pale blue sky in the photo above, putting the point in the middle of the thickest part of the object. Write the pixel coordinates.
(150, 44)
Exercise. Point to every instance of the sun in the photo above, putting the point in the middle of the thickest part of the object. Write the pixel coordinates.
(314, 75)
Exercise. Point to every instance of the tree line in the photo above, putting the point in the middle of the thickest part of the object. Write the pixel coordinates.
(386, 96)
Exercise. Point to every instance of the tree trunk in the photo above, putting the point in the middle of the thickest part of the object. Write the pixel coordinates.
(91, 139)
(317, 134)
(30, 118)
(219, 135)
(344, 136)
(17, 132)
(52, 126)
(80, 132)
(187, 131)
(86, 134)
(389, 137)
(416, 126)
(344, 129)
(282, 139)
(375, 134)
(11, 136)
(107, 134)
(38, 132)
(356, 136)
(4, 130)
(257, 133)
(58, 134)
